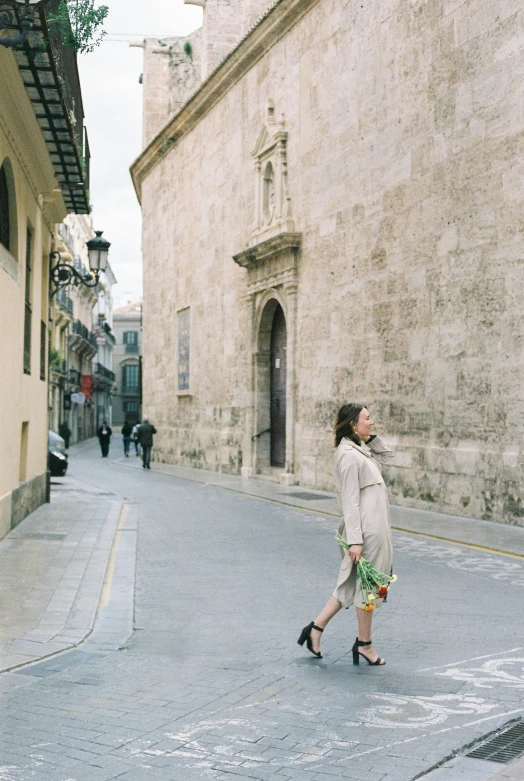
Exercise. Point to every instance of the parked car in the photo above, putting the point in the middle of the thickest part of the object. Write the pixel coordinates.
(57, 456)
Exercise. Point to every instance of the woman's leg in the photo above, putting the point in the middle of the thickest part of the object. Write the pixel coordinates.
(365, 619)
(331, 609)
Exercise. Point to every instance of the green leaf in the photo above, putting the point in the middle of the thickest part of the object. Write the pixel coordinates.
(79, 23)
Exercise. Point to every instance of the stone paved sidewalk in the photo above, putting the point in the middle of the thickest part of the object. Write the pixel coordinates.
(52, 572)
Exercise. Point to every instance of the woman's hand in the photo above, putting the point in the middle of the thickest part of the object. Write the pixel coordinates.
(354, 553)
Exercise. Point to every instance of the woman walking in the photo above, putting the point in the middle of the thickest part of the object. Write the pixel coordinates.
(365, 525)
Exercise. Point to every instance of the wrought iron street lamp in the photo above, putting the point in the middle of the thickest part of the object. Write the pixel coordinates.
(98, 250)
(63, 274)
(8, 19)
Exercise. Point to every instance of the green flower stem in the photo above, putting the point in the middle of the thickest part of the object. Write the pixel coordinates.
(371, 579)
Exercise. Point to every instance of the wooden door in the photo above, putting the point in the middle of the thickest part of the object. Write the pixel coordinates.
(278, 388)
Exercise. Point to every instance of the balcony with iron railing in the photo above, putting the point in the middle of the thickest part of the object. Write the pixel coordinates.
(106, 331)
(49, 70)
(102, 371)
(81, 330)
(64, 301)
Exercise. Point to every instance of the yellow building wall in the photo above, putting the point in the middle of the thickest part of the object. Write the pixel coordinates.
(23, 397)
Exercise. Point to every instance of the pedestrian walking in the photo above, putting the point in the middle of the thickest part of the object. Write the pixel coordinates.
(65, 433)
(127, 431)
(104, 437)
(134, 438)
(365, 525)
(145, 437)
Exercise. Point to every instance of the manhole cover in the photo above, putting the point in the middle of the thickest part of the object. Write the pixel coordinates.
(307, 497)
(504, 747)
(42, 536)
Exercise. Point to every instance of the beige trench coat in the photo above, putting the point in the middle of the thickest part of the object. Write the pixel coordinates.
(364, 507)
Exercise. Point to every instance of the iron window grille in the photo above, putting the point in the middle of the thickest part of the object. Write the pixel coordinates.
(43, 337)
(28, 307)
(4, 210)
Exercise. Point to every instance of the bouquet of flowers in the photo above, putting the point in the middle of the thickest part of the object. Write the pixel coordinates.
(372, 582)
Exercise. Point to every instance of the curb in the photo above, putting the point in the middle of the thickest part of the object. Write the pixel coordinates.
(117, 510)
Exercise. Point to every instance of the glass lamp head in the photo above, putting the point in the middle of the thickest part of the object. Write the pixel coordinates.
(98, 250)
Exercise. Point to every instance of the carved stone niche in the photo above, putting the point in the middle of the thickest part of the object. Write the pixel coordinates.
(272, 200)
(271, 254)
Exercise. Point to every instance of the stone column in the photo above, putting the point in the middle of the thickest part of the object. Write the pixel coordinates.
(248, 450)
(258, 195)
(290, 290)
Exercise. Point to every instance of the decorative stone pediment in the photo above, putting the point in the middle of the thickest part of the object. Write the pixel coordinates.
(272, 263)
(271, 254)
(272, 200)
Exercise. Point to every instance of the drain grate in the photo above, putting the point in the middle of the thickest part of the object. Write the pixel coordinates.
(504, 747)
(305, 496)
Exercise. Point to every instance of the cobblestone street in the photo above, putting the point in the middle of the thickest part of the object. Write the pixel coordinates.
(191, 669)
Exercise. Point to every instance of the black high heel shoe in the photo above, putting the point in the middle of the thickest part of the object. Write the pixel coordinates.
(305, 637)
(356, 654)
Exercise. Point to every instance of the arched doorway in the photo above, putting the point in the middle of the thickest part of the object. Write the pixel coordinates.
(277, 392)
(271, 439)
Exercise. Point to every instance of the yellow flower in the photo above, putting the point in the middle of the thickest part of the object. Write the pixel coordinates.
(369, 607)
(393, 578)
(371, 597)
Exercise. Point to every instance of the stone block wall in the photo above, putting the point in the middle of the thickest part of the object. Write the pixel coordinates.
(405, 144)
(27, 498)
(172, 72)
(223, 28)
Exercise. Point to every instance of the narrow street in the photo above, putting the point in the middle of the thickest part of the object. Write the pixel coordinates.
(192, 670)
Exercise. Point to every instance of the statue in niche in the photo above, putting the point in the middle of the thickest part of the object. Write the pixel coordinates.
(269, 193)
(271, 197)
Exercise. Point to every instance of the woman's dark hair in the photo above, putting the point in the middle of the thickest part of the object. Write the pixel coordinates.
(348, 414)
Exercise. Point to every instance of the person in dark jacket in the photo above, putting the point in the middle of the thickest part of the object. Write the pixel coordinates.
(145, 437)
(65, 433)
(104, 437)
(127, 430)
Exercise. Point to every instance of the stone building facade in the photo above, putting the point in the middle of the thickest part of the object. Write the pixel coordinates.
(127, 357)
(341, 200)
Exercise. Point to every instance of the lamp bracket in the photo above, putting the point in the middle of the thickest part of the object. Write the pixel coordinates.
(8, 20)
(63, 274)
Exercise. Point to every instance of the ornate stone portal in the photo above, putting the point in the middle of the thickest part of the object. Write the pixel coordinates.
(270, 258)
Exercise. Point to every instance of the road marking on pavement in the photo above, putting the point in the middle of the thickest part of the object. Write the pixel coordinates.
(437, 732)
(459, 542)
(405, 711)
(237, 732)
(473, 659)
(490, 674)
(110, 571)
(456, 558)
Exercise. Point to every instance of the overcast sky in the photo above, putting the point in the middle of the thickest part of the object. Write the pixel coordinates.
(113, 109)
